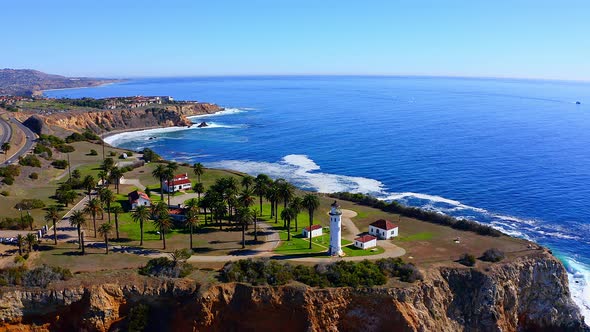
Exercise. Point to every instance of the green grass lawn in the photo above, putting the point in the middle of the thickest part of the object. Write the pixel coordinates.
(351, 250)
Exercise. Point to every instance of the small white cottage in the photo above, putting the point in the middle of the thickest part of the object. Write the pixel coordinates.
(365, 242)
(383, 229)
(137, 198)
(316, 230)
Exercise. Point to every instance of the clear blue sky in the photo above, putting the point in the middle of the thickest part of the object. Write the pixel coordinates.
(126, 38)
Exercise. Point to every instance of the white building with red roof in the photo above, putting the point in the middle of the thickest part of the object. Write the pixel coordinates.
(178, 183)
(365, 242)
(383, 229)
(316, 230)
(138, 198)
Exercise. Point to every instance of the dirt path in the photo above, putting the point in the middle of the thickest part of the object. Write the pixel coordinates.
(349, 228)
(134, 182)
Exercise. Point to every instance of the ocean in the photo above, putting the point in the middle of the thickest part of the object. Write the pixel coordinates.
(514, 154)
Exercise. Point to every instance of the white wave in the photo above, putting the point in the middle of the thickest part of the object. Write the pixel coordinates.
(301, 170)
(226, 111)
(579, 280)
(138, 135)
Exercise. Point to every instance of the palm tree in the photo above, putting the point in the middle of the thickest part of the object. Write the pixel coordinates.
(286, 192)
(5, 149)
(246, 198)
(271, 196)
(116, 175)
(296, 206)
(244, 216)
(20, 241)
(31, 240)
(260, 187)
(198, 169)
(93, 207)
(247, 181)
(116, 210)
(192, 203)
(108, 164)
(158, 210)
(172, 167)
(311, 202)
(77, 220)
(199, 188)
(52, 215)
(192, 219)
(169, 176)
(103, 177)
(104, 230)
(160, 173)
(89, 183)
(163, 223)
(141, 215)
(287, 215)
(107, 197)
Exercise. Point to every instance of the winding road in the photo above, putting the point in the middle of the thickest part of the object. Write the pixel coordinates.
(29, 141)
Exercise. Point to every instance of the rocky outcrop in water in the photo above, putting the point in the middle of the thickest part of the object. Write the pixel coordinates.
(527, 294)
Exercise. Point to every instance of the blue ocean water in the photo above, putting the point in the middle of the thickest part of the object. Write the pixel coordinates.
(511, 153)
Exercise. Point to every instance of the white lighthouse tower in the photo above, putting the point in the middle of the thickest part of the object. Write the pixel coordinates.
(335, 230)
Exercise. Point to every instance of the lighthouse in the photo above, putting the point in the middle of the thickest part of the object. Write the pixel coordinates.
(335, 230)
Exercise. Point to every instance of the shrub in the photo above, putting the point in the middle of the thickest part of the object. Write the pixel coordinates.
(150, 156)
(493, 255)
(93, 153)
(50, 140)
(129, 154)
(4, 193)
(8, 180)
(43, 151)
(43, 275)
(30, 204)
(165, 267)
(18, 259)
(33, 176)
(340, 274)
(467, 260)
(64, 148)
(60, 164)
(10, 170)
(138, 318)
(112, 154)
(29, 160)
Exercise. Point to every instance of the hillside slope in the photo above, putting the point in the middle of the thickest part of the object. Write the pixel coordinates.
(28, 82)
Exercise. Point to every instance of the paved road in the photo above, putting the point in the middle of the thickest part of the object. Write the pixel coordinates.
(29, 141)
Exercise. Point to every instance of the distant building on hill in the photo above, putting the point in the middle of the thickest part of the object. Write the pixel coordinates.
(179, 182)
(365, 241)
(383, 229)
(316, 230)
(138, 198)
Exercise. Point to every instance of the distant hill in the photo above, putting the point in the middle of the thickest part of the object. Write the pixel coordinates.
(28, 82)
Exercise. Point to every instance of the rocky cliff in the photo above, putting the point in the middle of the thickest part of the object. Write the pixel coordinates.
(102, 121)
(527, 294)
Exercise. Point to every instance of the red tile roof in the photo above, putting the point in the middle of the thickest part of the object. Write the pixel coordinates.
(384, 224)
(177, 182)
(365, 238)
(135, 195)
(313, 227)
(175, 211)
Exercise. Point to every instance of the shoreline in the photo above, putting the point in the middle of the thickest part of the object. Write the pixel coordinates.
(84, 87)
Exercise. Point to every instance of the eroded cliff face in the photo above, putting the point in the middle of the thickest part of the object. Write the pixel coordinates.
(112, 120)
(528, 294)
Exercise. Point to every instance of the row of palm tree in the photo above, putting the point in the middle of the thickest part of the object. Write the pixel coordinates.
(28, 240)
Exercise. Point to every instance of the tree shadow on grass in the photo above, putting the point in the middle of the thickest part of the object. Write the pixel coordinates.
(70, 253)
(203, 250)
(121, 240)
(303, 255)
